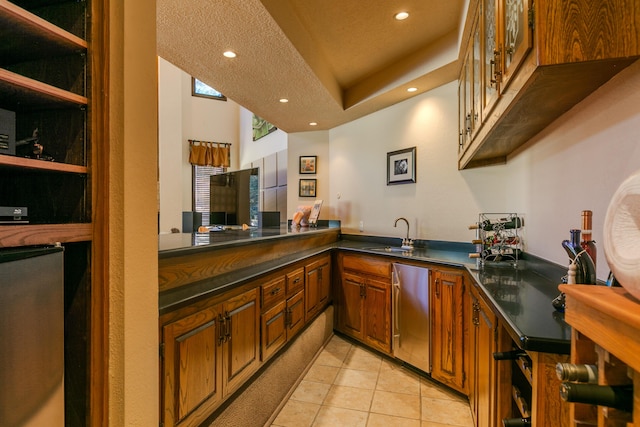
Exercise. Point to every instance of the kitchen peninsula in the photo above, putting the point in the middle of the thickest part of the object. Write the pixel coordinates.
(256, 295)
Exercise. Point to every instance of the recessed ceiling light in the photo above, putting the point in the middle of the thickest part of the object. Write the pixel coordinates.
(313, 124)
(412, 89)
(229, 54)
(284, 100)
(401, 16)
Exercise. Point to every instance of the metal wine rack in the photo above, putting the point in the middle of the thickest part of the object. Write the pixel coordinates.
(499, 238)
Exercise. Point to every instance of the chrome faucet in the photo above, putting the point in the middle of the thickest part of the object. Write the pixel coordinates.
(406, 242)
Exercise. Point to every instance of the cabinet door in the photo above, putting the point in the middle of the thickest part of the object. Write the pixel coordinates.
(274, 329)
(377, 314)
(325, 282)
(491, 64)
(295, 314)
(517, 38)
(191, 368)
(350, 305)
(483, 345)
(317, 286)
(241, 348)
(447, 323)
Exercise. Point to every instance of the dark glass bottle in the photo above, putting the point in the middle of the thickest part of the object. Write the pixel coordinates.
(618, 397)
(585, 272)
(578, 373)
(502, 224)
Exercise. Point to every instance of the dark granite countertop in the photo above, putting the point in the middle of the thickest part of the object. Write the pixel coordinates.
(521, 295)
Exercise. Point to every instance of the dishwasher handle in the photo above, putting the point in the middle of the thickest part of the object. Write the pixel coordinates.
(395, 283)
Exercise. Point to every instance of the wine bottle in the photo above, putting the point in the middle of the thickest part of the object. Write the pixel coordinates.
(586, 271)
(516, 422)
(501, 224)
(509, 355)
(578, 373)
(587, 243)
(618, 397)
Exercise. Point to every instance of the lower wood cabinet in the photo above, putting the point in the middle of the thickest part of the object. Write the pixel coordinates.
(208, 355)
(363, 306)
(211, 347)
(448, 332)
(283, 311)
(483, 343)
(317, 285)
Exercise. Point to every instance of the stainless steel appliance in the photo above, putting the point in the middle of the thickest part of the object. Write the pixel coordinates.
(411, 328)
(32, 336)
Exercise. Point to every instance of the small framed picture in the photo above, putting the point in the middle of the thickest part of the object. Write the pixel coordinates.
(308, 164)
(307, 188)
(401, 166)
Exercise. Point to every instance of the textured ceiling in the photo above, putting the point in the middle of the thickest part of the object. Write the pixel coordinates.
(335, 60)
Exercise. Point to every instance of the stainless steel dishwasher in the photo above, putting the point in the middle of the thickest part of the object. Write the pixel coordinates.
(411, 327)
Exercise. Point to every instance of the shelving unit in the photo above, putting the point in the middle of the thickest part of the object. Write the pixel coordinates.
(44, 80)
(49, 51)
(606, 333)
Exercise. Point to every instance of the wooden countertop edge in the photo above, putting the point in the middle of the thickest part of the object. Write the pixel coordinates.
(610, 317)
(616, 302)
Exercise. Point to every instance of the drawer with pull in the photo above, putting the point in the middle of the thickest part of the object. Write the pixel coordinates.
(273, 292)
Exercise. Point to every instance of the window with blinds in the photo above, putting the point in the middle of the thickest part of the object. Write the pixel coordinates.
(201, 189)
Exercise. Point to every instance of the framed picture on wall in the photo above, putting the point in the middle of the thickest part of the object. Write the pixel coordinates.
(307, 188)
(308, 164)
(401, 166)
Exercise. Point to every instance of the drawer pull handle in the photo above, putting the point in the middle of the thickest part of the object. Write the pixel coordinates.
(276, 291)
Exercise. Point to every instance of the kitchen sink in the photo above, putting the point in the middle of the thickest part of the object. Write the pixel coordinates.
(388, 249)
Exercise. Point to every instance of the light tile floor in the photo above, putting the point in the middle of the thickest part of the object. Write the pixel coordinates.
(348, 385)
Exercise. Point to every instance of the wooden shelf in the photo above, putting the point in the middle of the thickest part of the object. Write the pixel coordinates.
(26, 37)
(44, 234)
(41, 165)
(17, 90)
(610, 316)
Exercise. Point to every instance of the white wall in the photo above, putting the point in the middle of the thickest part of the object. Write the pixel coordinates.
(184, 117)
(309, 144)
(251, 150)
(574, 164)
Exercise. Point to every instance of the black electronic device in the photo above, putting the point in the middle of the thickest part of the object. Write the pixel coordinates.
(7, 132)
(13, 215)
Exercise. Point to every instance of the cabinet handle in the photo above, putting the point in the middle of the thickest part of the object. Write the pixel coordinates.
(227, 324)
(438, 288)
(476, 312)
(363, 291)
(276, 291)
(222, 329)
(296, 281)
(495, 72)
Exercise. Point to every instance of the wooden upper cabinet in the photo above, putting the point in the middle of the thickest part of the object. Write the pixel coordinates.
(490, 66)
(516, 29)
(540, 58)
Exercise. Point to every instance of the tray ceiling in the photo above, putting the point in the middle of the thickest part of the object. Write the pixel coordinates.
(334, 60)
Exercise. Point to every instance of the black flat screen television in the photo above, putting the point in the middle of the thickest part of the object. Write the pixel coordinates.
(234, 197)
